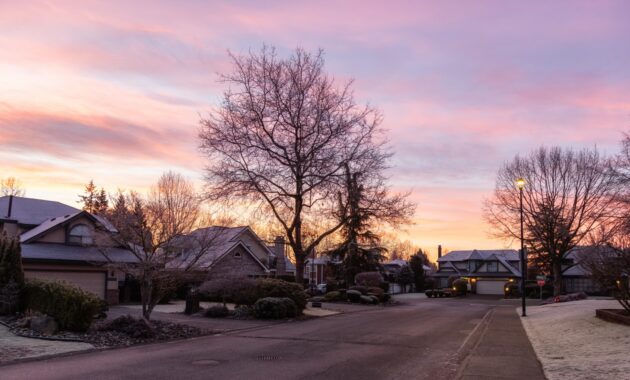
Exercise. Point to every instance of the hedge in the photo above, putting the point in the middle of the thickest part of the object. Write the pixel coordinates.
(71, 307)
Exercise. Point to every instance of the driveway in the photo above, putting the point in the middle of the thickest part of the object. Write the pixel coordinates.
(422, 339)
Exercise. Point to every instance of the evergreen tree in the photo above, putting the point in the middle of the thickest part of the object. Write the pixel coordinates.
(89, 197)
(102, 202)
(417, 262)
(11, 274)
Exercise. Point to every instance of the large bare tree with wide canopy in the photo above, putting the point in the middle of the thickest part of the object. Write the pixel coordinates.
(283, 136)
(568, 195)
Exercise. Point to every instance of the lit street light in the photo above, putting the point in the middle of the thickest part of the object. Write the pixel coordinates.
(520, 183)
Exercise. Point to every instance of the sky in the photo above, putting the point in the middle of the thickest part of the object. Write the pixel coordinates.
(113, 90)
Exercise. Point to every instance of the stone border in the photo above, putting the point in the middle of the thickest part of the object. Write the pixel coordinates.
(619, 316)
(51, 338)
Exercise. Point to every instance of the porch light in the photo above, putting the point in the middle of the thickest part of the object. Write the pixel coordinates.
(473, 280)
(507, 289)
(511, 280)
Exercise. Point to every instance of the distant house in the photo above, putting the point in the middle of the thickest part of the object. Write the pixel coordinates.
(576, 277)
(486, 270)
(58, 243)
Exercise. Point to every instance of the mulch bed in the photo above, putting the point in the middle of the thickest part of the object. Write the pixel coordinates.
(164, 331)
(614, 315)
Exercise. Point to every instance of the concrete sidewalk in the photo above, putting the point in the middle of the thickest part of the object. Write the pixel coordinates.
(501, 350)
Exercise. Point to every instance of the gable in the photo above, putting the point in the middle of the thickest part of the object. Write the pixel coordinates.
(238, 261)
(56, 230)
(254, 244)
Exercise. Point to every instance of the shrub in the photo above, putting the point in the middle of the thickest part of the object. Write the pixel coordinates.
(359, 288)
(353, 296)
(243, 311)
(130, 326)
(460, 286)
(429, 283)
(275, 308)
(332, 296)
(240, 290)
(269, 287)
(216, 311)
(286, 277)
(369, 299)
(368, 279)
(385, 286)
(386, 297)
(71, 307)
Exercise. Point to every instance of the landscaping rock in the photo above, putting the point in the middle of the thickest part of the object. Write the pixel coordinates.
(44, 325)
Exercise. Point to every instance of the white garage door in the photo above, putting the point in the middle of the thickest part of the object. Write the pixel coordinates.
(490, 287)
(93, 282)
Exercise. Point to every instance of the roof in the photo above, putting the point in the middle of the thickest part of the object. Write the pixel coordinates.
(54, 222)
(218, 241)
(578, 254)
(33, 211)
(75, 253)
(480, 254)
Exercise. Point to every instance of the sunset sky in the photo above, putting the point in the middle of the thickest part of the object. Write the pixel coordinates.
(113, 90)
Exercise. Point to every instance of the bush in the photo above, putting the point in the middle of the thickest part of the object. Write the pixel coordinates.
(286, 277)
(11, 274)
(368, 279)
(359, 288)
(460, 287)
(272, 288)
(240, 290)
(130, 326)
(243, 311)
(353, 296)
(71, 307)
(385, 286)
(216, 311)
(369, 299)
(275, 308)
(386, 297)
(376, 291)
(429, 283)
(332, 296)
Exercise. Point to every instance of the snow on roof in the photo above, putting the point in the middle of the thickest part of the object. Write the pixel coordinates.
(33, 211)
(479, 254)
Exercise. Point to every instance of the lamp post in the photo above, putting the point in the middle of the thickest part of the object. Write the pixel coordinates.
(520, 183)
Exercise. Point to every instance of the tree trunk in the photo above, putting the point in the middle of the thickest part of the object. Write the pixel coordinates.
(299, 268)
(145, 296)
(557, 278)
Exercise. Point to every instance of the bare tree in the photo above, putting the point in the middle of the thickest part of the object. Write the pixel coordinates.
(568, 195)
(11, 186)
(158, 231)
(282, 137)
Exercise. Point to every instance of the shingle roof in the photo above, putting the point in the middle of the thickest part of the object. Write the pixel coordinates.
(50, 251)
(33, 211)
(54, 222)
(479, 254)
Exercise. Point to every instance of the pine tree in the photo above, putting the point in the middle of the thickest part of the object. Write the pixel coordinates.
(102, 202)
(417, 262)
(90, 198)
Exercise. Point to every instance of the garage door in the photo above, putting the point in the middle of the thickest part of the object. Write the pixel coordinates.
(93, 282)
(490, 287)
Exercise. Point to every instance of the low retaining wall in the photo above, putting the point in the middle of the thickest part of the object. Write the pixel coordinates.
(614, 315)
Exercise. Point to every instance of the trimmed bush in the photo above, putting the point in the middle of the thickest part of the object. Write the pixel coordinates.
(216, 311)
(359, 288)
(71, 307)
(368, 279)
(353, 296)
(240, 290)
(460, 287)
(272, 288)
(332, 296)
(275, 308)
(11, 274)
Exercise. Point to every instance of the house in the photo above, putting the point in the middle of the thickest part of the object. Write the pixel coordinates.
(235, 251)
(58, 243)
(575, 276)
(486, 270)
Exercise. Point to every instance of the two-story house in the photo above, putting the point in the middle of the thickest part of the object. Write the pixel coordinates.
(487, 271)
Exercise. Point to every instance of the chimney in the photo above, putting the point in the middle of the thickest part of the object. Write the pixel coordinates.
(278, 248)
(439, 251)
(10, 206)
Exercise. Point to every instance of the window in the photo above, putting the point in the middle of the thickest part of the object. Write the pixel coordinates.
(237, 254)
(80, 234)
(493, 266)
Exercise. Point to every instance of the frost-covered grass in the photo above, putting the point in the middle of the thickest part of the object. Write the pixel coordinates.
(571, 343)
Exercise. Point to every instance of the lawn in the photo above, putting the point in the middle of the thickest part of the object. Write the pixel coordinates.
(571, 343)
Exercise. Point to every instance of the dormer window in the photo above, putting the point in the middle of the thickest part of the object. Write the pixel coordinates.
(80, 234)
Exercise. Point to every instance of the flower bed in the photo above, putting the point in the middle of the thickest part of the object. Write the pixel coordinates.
(614, 315)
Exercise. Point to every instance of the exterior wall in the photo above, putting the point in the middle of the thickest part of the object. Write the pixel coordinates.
(233, 265)
(59, 234)
(254, 245)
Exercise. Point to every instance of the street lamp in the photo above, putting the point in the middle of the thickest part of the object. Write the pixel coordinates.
(520, 183)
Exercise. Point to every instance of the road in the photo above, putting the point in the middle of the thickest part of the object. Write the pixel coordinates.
(417, 340)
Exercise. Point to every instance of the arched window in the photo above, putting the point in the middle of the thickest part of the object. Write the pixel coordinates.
(80, 234)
